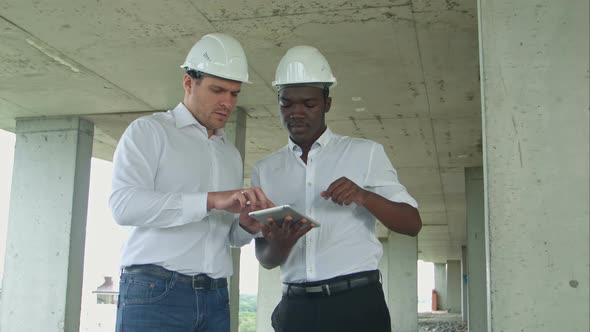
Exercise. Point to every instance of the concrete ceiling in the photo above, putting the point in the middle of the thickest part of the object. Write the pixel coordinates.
(407, 77)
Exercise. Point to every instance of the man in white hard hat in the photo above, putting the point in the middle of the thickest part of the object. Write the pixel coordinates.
(177, 182)
(329, 273)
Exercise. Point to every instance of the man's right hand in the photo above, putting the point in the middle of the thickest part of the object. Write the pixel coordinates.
(286, 234)
(274, 248)
(236, 201)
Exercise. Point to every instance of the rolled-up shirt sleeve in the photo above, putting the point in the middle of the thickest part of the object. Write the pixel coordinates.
(134, 200)
(382, 178)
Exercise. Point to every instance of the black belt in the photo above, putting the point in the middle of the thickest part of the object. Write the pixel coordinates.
(199, 281)
(332, 286)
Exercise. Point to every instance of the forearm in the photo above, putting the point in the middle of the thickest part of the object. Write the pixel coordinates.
(271, 255)
(399, 217)
(239, 236)
(144, 208)
(212, 199)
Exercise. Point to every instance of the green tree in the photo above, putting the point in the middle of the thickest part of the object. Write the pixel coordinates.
(247, 313)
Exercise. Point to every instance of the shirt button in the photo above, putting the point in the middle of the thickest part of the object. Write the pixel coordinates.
(309, 184)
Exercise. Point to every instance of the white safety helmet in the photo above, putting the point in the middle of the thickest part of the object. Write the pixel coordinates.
(220, 55)
(304, 64)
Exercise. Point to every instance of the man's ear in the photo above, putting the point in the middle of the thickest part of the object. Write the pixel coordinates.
(328, 104)
(187, 83)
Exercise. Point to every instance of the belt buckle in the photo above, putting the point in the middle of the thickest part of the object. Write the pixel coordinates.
(195, 282)
(326, 290)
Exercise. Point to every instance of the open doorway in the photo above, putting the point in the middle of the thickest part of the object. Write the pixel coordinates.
(425, 285)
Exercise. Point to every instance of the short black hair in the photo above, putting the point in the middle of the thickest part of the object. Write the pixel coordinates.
(194, 74)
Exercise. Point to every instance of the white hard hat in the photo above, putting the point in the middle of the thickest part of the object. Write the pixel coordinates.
(304, 64)
(219, 55)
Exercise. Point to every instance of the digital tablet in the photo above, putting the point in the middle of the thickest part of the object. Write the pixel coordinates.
(278, 213)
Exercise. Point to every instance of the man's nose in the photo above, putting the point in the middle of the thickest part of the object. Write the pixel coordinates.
(298, 111)
(228, 101)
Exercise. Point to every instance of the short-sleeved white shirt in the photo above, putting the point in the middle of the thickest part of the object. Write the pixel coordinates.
(345, 242)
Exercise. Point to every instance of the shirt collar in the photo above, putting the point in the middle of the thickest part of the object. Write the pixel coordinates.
(322, 141)
(185, 118)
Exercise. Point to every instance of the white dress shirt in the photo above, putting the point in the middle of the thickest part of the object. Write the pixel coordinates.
(164, 166)
(345, 242)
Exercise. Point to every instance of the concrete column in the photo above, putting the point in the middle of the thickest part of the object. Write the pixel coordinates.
(464, 301)
(535, 83)
(454, 282)
(440, 284)
(384, 266)
(47, 223)
(234, 291)
(269, 295)
(401, 254)
(476, 256)
(235, 129)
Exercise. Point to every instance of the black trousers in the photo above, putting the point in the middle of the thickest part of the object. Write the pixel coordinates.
(360, 309)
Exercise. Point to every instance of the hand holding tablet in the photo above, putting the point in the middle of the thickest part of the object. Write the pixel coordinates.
(279, 213)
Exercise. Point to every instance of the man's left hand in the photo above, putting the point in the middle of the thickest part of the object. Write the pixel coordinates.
(250, 224)
(344, 191)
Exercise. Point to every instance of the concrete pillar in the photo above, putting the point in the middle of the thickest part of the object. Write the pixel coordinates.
(42, 282)
(535, 83)
(235, 129)
(269, 295)
(464, 280)
(401, 253)
(476, 256)
(454, 282)
(234, 291)
(384, 266)
(440, 284)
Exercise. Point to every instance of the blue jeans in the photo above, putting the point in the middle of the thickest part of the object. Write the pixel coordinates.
(153, 304)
